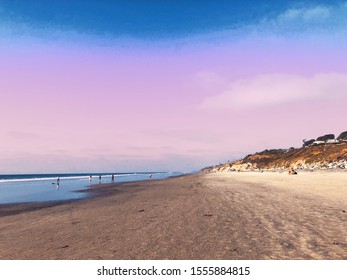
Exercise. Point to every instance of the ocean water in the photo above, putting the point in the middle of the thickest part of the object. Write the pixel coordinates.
(21, 188)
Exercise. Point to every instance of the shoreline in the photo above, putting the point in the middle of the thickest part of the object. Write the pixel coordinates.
(95, 191)
(46, 189)
(236, 215)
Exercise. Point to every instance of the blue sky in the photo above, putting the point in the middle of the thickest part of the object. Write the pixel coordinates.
(145, 19)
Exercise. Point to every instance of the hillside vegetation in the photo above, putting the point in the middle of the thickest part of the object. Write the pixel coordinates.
(325, 155)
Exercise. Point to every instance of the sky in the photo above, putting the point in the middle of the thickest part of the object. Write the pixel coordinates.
(118, 86)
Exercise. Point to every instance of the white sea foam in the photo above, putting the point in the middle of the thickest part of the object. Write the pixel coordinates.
(39, 179)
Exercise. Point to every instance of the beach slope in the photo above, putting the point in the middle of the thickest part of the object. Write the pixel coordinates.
(203, 216)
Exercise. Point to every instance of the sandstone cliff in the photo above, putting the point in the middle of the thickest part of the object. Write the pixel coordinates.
(328, 155)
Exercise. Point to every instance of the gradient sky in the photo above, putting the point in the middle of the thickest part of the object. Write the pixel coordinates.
(165, 85)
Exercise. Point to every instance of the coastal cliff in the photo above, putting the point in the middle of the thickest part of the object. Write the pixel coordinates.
(325, 152)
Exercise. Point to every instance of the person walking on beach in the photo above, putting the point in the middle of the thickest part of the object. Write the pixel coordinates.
(99, 179)
(150, 176)
(90, 179)
(58, 182)
(112, 178)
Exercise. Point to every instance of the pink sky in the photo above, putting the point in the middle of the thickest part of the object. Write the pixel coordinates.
(66, 108)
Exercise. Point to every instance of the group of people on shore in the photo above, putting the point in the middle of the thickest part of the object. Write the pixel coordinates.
(90, 180)
(100, 179)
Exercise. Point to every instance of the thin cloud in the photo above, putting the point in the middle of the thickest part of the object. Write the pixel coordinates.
(278, 89)
(321, 18)
(22, 135)
(307, 14)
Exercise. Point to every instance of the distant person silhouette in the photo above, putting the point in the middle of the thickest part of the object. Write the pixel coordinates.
(112, 178)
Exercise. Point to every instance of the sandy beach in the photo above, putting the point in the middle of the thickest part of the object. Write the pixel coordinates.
(267, 215)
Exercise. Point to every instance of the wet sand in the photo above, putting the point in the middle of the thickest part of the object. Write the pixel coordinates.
(201, 216)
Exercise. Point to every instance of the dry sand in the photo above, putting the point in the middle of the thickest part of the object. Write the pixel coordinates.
(202, 216)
